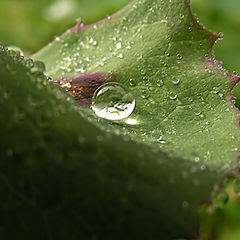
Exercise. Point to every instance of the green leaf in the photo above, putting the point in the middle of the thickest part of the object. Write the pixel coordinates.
(61, 176)
(91, 178)
(157, 43)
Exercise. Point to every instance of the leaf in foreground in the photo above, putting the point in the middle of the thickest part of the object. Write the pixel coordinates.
(113, 179)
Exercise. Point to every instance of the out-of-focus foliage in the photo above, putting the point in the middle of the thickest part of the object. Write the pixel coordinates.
(31, 24)
(222, 223)
(222, 16)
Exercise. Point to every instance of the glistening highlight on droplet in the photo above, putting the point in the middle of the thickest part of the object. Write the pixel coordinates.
(113, 101)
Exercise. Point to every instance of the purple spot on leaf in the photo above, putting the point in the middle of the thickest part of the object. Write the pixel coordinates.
(81, 87)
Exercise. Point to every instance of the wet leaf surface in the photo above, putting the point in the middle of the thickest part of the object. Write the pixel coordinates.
(142, 177)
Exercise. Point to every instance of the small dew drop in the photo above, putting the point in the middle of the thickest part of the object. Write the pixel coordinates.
(132, 82)
(144, 93)
(2, 47)
(118, 45)
(172, 96)
(197, 112)
(215, 90)
(149, 67)
(161, 140)
(167, 54)
(150, 9)
(91, 40)
(38, 66)
(221, 35)
(81, 70)
(16, 49)
(235, 149)
(179, 57)
(203, 167)
(164, 74)
(185, 204)
(162, 62)
(29, 63)
(143, 72)
(160, 82)
(197, 159)
(120, 55)
(113, 101)
(175, 81)
(87, 59)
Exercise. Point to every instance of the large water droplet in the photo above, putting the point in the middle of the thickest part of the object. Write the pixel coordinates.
(113, 101)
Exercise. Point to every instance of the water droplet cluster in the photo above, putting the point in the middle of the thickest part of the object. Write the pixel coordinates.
(37, 68)
(182, 101)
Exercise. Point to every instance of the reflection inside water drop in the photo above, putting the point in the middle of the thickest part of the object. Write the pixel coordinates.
(113, 101)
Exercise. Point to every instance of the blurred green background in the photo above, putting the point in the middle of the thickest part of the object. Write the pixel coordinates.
(222, 16)
(31, 24)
